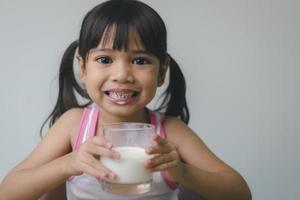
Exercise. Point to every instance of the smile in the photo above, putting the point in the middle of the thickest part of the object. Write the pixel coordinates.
(121, 97)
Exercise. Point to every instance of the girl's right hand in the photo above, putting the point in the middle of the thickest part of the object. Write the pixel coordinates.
(87, 158)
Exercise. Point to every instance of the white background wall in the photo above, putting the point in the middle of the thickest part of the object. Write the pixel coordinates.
(240, 58)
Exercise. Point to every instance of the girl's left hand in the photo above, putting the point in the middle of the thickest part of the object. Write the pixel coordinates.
(165, 158)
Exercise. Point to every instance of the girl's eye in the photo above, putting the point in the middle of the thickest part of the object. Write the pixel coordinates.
(140, 61)
(104, 60)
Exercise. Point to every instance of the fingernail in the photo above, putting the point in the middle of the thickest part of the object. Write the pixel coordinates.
(149, 150)
(148, 163)
(116, 156)
(112, 176)
(108, 145)
(104, 175)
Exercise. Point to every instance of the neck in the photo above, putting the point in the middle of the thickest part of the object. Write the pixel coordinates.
(141, 116)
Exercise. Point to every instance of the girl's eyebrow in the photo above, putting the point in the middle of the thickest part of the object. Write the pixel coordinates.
(137, 51)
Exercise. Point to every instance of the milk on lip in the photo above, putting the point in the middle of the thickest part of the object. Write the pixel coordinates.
(129, 168)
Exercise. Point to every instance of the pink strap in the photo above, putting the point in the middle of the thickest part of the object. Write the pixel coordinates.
(87, 124)
(157, 120)
(85, 121)
(93, 126)
(82, 125)
(172, 185)
(153, 119)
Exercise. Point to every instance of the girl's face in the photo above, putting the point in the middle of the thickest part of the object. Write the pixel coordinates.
(123, 82)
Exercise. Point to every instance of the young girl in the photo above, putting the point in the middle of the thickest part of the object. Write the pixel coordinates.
(122, 56)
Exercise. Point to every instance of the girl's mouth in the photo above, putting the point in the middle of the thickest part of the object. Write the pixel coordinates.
(121, 97)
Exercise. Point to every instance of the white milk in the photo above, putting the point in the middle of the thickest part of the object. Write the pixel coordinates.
(129, 168)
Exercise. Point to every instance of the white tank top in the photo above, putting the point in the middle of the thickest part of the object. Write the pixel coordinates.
(86, 187)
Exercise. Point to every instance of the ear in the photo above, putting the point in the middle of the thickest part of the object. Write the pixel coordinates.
(82, 72)
(163, 72)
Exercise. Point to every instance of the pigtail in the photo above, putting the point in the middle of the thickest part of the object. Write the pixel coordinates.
(174, 100)
(67, 87)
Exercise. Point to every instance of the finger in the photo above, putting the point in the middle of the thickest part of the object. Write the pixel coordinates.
(102, 151)
(164, 166)
(160, 159)
(95, 168)
(99, 174)
(159, 140)
(100, 141)
(160, 149)
(155, 149)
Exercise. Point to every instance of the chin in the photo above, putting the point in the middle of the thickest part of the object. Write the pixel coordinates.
(125, 112)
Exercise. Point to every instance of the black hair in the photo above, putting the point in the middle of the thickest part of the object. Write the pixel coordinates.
(123, 15)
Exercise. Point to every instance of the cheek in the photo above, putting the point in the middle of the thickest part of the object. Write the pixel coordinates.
(148, 78)
(149, 82)
(94, 82)
(94, 74)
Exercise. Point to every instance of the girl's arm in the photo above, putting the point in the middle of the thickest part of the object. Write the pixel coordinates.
(196, 167)
(51, 163)
(43, 169)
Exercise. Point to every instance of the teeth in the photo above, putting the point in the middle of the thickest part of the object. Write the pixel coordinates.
(120, 95)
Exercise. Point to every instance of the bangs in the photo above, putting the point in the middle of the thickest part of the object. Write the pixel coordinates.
(121, 23)
(120, 37)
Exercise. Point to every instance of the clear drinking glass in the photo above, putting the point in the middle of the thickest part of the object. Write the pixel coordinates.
(130, 140)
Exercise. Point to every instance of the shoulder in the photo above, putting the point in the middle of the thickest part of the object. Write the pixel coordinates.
(177, 131)
(72, 115)
(69, 117)
(180, 134)
(67, 123)
(70, 121)
(174, 122)
(183, 137)
(187, 142)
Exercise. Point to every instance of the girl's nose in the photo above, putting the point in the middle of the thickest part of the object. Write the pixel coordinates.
(122, 73)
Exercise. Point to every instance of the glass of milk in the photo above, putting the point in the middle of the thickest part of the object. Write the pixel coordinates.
(130, 140)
